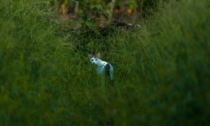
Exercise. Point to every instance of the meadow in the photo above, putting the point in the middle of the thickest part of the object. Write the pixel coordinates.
(161, 68)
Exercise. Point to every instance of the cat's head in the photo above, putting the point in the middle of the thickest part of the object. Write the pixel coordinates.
(95, 59)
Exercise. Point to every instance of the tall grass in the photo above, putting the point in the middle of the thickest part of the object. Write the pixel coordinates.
(161, 72)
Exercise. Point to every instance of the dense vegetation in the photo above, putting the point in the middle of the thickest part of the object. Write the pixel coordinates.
(161, 72)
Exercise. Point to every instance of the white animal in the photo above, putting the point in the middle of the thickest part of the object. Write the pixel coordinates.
(102, 67)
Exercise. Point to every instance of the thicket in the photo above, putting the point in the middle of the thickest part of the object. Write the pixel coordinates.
(161, 72)
(102, 12)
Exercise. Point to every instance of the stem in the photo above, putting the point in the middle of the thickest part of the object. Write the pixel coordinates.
(76, 9)
(111, 11)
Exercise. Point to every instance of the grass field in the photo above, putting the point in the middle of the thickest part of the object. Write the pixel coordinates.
(161, 69)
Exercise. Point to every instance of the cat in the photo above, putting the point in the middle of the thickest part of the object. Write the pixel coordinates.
(102, 67)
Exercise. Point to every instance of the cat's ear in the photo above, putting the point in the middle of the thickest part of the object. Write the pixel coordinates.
(89, 55)
(98, 55)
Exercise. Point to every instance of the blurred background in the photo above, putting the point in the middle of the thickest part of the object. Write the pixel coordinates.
(159, 49)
